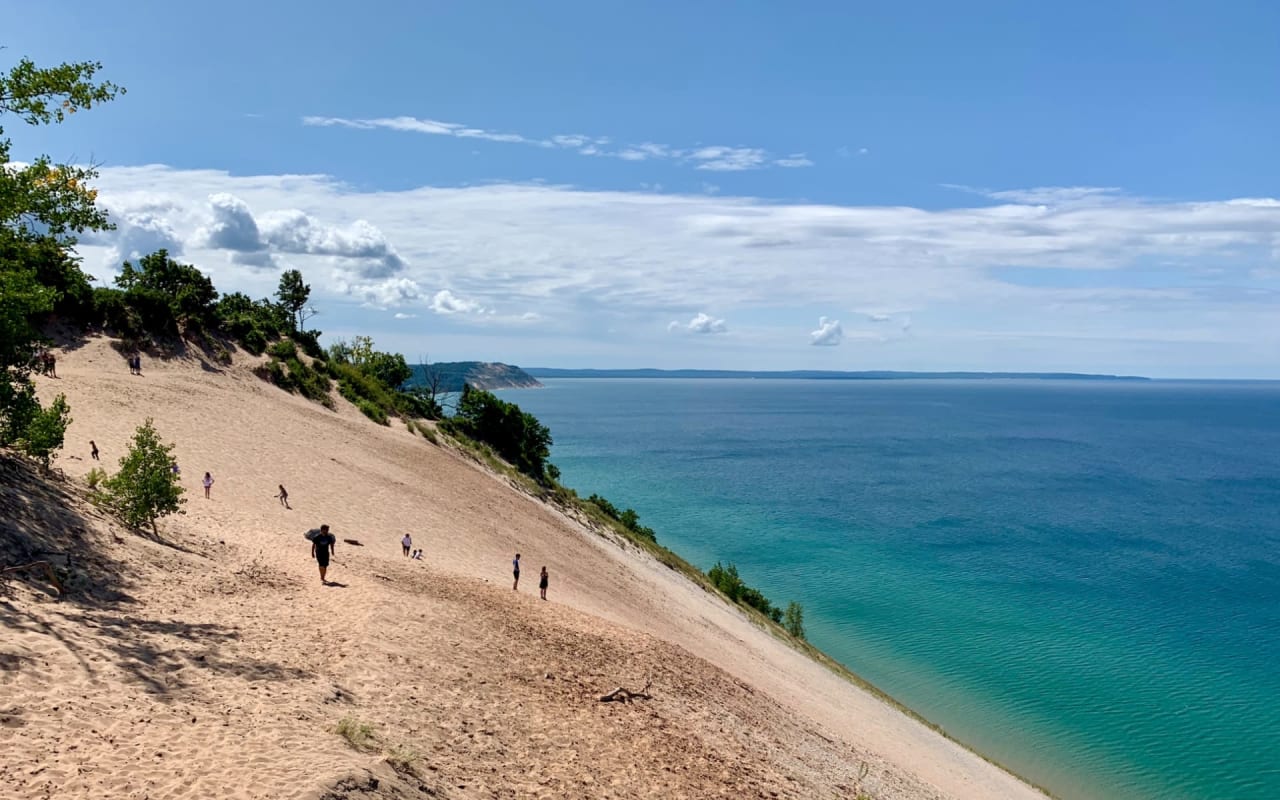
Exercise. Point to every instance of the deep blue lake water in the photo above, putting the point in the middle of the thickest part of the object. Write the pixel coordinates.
(1079, 580)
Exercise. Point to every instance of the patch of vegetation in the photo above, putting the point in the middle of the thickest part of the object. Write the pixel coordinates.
(46, 431)
(43, 206)
(287, 370)
(628, 517)
(374, 381)
(283, 350)
(516, 436)
(95, 477)
(727, 580)
(146, 487)
(793, 620)
(401, 759)
(372, 411)
(358, 734)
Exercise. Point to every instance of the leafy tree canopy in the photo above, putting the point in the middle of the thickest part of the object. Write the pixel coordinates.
(145, 488)
(42, 197)
(46, 431)
(516, 435)
(293, 295)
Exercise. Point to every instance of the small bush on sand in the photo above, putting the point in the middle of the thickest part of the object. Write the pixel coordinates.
(284, 350)
(145, 488)
(372, 411)
(401, 759)
(45, 431)
(793, 619)
(95, 477)
(358, 734)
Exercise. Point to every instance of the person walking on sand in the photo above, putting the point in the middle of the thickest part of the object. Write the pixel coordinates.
(515, 570)
(284, 497)
(93, 450)
(207, 483)
(405, 544)
(542, 584)
(321, 549)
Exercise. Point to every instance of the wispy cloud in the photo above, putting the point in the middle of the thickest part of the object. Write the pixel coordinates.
(1045, 195)
(794, 160)
(715, 158)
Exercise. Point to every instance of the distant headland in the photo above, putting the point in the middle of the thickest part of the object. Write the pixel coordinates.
(807, 374)
(449, 376)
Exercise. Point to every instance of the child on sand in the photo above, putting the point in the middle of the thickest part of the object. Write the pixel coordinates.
(542, 584)
(515, 570)
(417, 555)
(207, 483)
(93, 450)
(284, 497)
(405, 544)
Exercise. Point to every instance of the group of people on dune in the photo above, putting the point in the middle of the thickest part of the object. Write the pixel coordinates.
(323, 543)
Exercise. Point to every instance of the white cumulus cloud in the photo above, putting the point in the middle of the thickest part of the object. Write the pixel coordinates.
(446, 302)
(701, 323)
(829, 332)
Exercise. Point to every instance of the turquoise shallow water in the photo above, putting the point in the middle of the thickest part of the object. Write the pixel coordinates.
(1080, 580)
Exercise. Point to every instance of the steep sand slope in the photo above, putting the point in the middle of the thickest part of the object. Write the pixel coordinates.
(226, 673)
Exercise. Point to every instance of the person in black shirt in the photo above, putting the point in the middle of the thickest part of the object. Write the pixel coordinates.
(542, 583)
(321, 549)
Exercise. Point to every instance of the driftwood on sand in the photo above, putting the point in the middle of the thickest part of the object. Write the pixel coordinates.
(625, 695)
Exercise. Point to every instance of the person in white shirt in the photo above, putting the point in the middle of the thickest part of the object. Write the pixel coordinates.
(406, 543)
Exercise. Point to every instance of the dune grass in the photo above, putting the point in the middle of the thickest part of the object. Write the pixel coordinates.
(359, 735)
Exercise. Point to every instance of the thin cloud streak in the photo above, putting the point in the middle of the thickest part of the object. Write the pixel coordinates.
(715, 158)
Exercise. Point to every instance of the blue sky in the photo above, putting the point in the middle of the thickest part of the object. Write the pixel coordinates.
(934, 185)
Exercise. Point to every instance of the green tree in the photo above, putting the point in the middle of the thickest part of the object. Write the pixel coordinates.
(145, 488)
(516, 435)
(167, 293)
(22, 299)
(793, 619)
(46, 431)
(293, 295)
(42, 206)
(390, 368)
(43, 198)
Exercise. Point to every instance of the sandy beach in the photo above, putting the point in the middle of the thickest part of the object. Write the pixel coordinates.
(222, 666)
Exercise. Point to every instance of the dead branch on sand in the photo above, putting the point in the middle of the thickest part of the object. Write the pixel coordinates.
(48, 571)
(625, 695)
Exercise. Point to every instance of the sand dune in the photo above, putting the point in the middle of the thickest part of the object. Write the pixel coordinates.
(225, 666)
